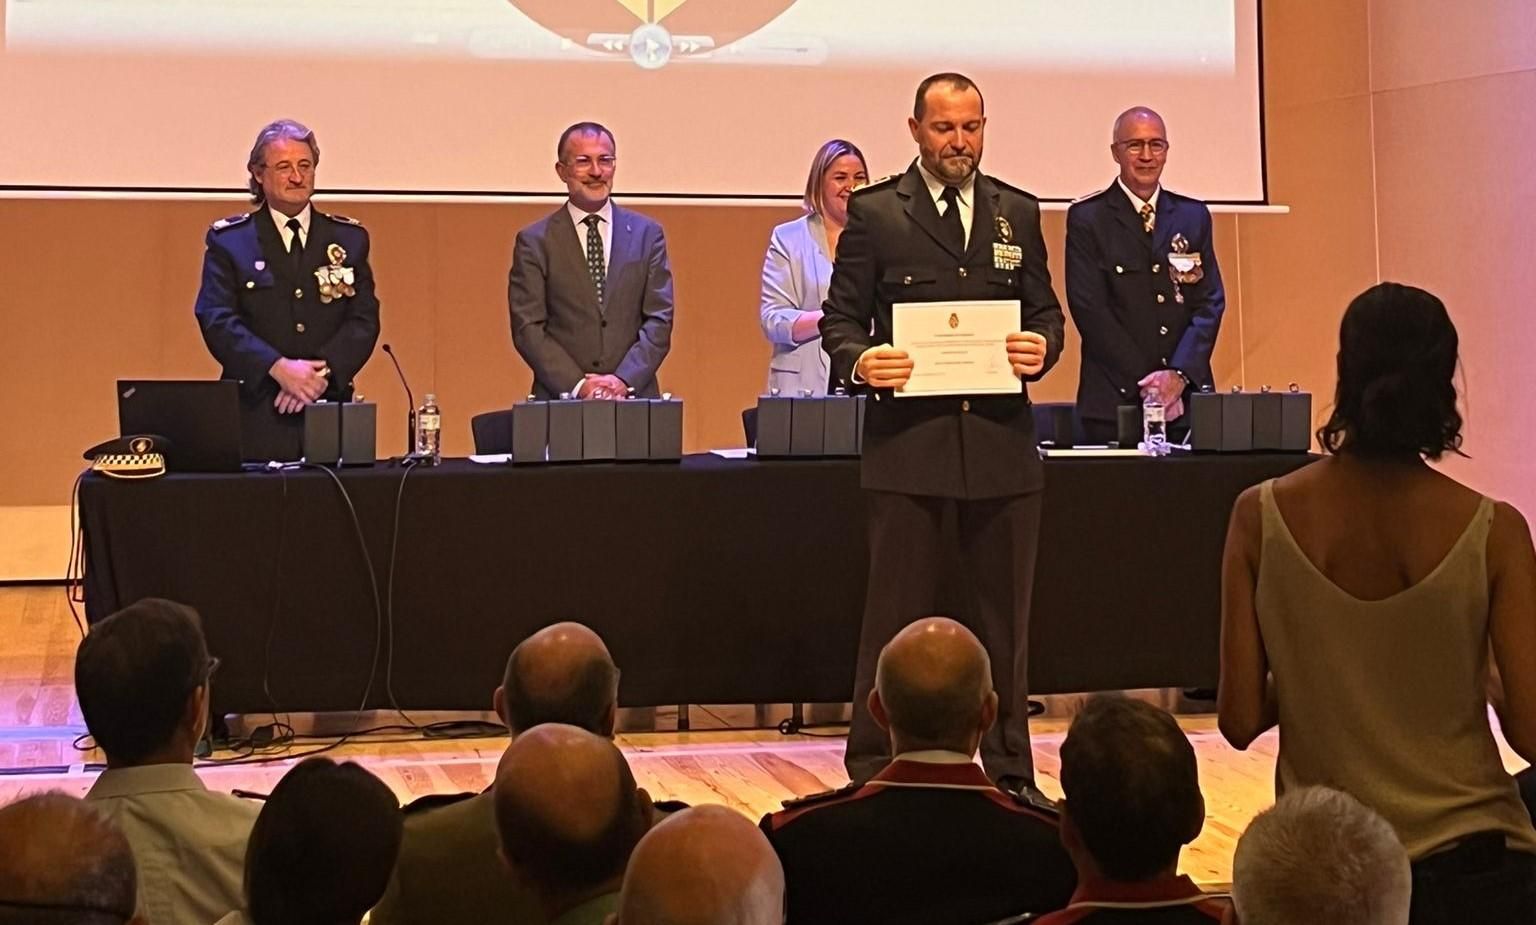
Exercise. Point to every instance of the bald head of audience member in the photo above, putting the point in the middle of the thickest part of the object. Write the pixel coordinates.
(1319, 855)
(933, 688)
(568, 813)
(561, 674)
(706, 865)
(63, 864)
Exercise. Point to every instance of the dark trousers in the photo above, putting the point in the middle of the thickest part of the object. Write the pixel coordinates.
(1479, 880)
(907, 555)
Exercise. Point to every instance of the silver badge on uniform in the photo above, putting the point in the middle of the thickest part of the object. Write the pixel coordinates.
(1005, 254)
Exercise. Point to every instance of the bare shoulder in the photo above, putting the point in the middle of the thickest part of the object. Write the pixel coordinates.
(1510, 531)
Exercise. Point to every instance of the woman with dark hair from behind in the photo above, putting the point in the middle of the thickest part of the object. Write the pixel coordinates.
(1373, 607)
(323, 848)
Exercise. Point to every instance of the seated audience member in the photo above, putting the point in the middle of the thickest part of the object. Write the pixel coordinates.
(63, 863)
(448, 868)
(798, 269)
(142, 679)
(1369, 644)
(322, 848)
(569, 814)
(703, 866)
(1320, 856)
(930, 838)
(1124, 830)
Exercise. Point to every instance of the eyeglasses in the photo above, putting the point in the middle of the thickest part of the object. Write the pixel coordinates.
(305, 168)
(582, 162)
(1156, 146)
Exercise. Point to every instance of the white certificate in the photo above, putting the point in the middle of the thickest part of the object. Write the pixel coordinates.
(957, 348)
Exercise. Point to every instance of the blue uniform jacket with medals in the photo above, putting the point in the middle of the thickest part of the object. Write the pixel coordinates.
(1123, 297)
(255, 307)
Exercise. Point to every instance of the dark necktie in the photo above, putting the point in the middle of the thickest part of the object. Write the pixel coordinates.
(296, 246)
(954, 231)
(595, 256)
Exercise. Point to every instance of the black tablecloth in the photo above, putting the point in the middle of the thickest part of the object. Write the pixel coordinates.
(713, 581)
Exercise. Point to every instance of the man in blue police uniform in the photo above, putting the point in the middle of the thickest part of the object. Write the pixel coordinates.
(1143, 286)
(287, 304)
(942, 232)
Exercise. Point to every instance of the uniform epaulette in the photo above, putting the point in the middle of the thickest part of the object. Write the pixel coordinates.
(825, 796)
(345, 220)
(1013, 189)
(1091, 195)
(878, 184)
(1030, 798)
(231, 222)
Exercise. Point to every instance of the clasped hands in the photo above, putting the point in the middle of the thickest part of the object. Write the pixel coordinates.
(603, 387)
(885, 367)
(300, 382)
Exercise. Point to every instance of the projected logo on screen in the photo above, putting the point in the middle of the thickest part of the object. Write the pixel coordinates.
(653, 32)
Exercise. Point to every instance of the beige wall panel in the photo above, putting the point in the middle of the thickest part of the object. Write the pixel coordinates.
(1415, 42)
(1314, 50)
(1459, 224)
(1300, 270)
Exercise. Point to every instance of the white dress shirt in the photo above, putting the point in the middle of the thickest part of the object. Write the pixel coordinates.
(966, 199)
(286, 233)
(188, 841)
(1137, 202)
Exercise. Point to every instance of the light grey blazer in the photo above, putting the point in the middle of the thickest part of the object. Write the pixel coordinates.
(796, 274)
(558, 327)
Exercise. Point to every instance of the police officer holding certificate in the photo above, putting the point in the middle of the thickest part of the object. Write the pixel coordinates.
(943, 232)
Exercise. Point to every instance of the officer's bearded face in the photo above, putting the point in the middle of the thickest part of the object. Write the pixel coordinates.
(949, 136)
(287, 175)
(587, 167)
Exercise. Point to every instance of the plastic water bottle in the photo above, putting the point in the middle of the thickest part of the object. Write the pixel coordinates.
(429, 431)
(1154, 427)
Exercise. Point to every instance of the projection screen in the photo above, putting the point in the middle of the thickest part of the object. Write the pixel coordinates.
(707, 98)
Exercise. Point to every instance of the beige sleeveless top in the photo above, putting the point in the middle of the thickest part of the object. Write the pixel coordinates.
(1385, 699)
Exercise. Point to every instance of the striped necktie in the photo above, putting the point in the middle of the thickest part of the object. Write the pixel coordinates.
(1147, 220)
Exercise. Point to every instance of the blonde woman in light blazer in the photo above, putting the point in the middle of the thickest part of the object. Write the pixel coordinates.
(798, 270)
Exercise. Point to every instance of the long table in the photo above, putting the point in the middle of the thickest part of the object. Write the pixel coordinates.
(713, 580)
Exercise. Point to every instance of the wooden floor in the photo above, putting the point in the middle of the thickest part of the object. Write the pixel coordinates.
(751, 770)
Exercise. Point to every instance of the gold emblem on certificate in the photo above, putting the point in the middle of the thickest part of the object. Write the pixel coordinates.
(335, 280)
(1183, 266)
(954, 321)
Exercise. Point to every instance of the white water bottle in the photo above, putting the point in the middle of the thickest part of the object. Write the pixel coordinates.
(429, 431)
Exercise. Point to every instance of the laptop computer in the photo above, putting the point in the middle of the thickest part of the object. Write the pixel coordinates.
(200, 418)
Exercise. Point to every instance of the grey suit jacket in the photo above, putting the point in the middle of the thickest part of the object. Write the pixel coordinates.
(796, 273)
(557, 326)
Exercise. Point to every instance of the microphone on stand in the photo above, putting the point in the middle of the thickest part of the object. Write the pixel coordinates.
(410, 419)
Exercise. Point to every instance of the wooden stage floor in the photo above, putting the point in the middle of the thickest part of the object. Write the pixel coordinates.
(717, 761)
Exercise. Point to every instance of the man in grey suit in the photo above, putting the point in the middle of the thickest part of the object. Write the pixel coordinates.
(590, 290)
